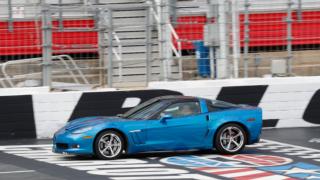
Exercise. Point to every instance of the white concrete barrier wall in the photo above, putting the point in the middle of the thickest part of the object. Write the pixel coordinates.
(52, 111)
(286, 102)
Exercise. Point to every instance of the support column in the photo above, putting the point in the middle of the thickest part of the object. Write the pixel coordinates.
(148, 45)
(10, 18)
(235, 38)
(246, 38)
(110, 46)
(223, 62)
(46, 45)
(165, 51)
(289, 37)
(101, 43)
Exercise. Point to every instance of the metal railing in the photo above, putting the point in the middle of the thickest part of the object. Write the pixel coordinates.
(118, 54)
(116, 51)
(7, 81)
(177, 51)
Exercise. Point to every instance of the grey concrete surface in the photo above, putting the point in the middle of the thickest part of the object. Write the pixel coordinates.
(33, 159)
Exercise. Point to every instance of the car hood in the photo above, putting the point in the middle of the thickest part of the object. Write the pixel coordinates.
(91, 121)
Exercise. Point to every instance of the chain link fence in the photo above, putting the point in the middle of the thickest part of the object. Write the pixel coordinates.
(248, 38)
(80, 45)
(48, 44)
(282, 38)
(83, 44)
(259, 38)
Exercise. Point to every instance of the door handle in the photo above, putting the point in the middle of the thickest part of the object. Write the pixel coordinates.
(207, 117)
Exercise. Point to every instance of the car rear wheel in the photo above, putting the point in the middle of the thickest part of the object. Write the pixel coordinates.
(230, 139)
(109, 145)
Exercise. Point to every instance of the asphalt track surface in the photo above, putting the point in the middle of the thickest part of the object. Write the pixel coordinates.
(292, 153)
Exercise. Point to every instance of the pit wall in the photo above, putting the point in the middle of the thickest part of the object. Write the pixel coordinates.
(38, 113)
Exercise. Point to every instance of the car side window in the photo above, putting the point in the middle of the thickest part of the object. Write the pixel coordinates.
(182, 109)
(212, 108)
(147, 111)
(214, 105)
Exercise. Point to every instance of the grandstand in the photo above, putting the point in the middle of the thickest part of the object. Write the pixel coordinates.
(148, 43)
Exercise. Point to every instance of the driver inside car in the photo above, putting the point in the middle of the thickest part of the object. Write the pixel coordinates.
(185, 110)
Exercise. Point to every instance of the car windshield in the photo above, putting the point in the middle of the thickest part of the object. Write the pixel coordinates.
(145, 110)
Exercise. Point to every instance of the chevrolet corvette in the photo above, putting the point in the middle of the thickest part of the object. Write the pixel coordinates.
(166, 123)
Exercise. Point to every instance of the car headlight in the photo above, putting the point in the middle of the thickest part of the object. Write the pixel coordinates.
(82, 130)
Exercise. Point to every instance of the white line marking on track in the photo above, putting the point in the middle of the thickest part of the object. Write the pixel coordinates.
(31, 145)
(218, 170)
(300, 147)
(245, 173)
(273, 177)
(14, 172)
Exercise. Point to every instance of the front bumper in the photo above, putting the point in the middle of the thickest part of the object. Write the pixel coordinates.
(67, 143)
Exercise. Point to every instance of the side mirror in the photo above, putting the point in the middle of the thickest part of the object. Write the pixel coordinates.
(165, 117)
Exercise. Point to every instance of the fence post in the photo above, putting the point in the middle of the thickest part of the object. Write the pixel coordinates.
(148, 45)
(289, 37)
(235, 38)
(211, 38)
(101, 43)
(46, 45)
(299, 10)
(10, 19)
(169, 5)
(110, 46)
(164, 48)
(96, 14)
(60, 15)
(222, 52)
(222, 62)
(246, 38)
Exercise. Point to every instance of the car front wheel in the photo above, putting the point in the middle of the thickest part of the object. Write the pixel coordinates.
(230, 139)
(109, 145)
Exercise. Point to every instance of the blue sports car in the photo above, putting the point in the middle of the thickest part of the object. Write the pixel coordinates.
(164, 123)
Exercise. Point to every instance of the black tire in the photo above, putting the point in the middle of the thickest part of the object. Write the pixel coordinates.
(221, 139)
(107, 155)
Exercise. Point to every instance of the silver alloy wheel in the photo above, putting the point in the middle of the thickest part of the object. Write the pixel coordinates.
(110, 145)
(232, 139)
